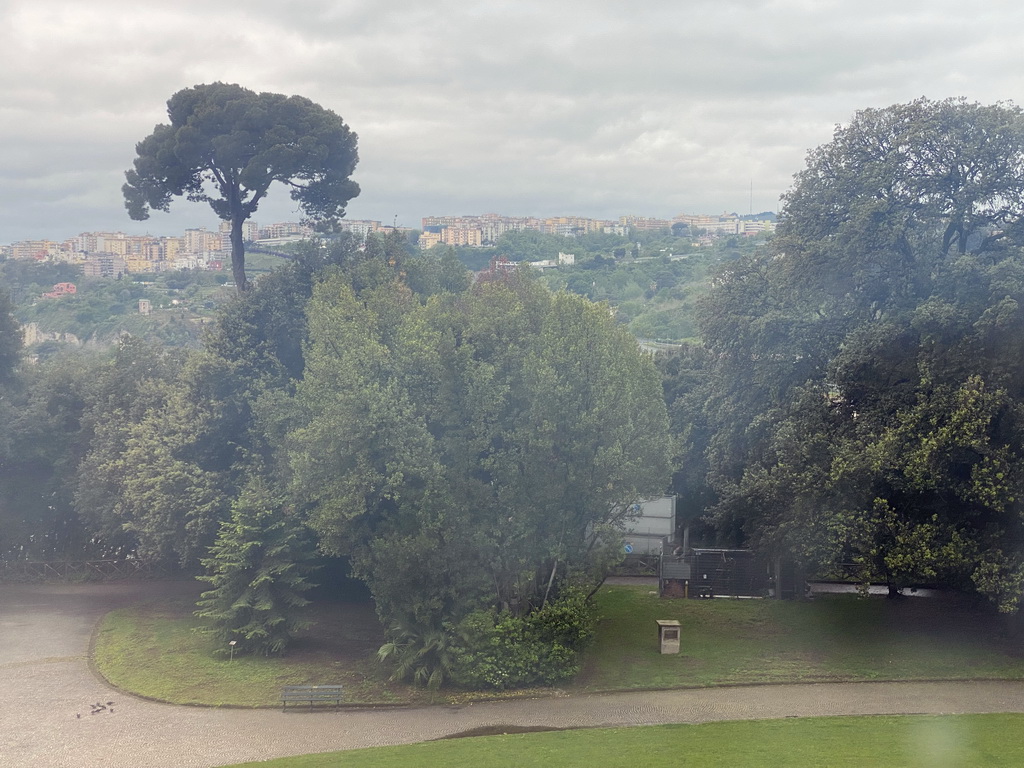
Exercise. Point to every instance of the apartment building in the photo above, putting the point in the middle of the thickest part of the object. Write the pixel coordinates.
(250, 233)
(487, 228)
(360, 228)
(40, 250)
(644, 223)
(284, 229)
(201, 241)
(104, 265)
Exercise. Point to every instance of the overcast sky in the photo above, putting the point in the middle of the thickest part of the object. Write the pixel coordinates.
(598, 108)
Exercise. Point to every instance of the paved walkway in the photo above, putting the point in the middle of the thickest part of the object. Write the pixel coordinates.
(47, 691)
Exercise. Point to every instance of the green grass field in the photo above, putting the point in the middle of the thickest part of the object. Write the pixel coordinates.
(760, 641)
(965, 741)
(155, 650)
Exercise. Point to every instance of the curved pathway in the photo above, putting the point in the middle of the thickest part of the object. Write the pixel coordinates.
(47, 693)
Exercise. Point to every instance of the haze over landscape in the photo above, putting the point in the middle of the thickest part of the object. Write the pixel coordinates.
(486, 478)
(525, 109)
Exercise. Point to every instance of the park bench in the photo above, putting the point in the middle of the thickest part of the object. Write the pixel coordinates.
(311, 694)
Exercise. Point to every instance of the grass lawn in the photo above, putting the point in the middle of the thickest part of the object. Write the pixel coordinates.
(841, 637)
(154, 650)
(963, 741)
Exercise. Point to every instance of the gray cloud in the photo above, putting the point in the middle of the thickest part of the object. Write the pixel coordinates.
(520, 107)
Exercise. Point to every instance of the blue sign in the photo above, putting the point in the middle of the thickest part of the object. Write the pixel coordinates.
(628, 548)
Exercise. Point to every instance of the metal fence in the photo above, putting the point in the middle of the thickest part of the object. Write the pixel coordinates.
(638, 564)
(78, 570)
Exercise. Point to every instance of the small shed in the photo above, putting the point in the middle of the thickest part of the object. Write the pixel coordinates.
(706, 573)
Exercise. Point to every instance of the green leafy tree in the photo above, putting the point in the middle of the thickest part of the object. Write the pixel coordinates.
(46, 430)
(531, 245)
(435, 271)
(863, 399)
(473, 451)
(160, 470)
(258, 569)
(930, 496)
(11, 338)
(225, 145)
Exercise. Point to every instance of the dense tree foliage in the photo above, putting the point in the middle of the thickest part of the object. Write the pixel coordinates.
(238, 142)
(45, 431)
(11, 337)
(474, 451)
(470, 450)
(257, 569)
(861, 397)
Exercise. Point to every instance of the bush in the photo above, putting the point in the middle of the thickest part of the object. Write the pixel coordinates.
(501, 650)
(421, 655)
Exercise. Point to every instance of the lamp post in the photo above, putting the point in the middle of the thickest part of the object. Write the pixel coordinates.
(231, 643)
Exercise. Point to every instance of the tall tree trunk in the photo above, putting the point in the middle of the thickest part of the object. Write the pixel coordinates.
(238, 253)
(551, 580)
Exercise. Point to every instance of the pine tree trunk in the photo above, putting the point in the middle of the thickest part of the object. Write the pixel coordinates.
(238, 253)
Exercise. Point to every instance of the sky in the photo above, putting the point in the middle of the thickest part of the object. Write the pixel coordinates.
(601, 109)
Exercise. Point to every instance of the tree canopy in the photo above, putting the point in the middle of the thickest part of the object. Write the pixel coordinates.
(502, 428)
(862, 396)
(225, 145)
(11, 337)
(473, 452)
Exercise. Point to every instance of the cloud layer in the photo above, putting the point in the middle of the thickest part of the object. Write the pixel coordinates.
(596, 109)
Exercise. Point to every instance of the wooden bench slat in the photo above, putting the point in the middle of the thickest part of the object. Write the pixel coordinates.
(314, 694)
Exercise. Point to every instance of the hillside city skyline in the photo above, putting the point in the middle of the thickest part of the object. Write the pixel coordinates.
(464, 230)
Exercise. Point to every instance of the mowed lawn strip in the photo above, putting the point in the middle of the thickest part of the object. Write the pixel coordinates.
(154, 650)
(840, 637)
(965, 741)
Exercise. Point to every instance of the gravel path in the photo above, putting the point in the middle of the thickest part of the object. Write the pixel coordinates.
(48, 693)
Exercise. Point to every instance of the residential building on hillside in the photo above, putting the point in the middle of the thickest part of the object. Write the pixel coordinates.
(250, 233)
(40, 250)
(104, 265)
(428, 239)
(201, 241)
(60, 290)
(644, 223)
(360, 228)
(287, 229)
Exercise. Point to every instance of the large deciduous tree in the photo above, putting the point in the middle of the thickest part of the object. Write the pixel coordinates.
(225, 145)
(473, 452)
(864, 394)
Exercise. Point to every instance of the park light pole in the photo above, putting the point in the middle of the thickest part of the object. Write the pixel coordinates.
(231, 643)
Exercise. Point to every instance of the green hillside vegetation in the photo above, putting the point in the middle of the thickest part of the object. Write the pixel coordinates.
(104, 308)
(652, 280)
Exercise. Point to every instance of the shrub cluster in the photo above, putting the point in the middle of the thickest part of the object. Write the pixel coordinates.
(500, 650)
